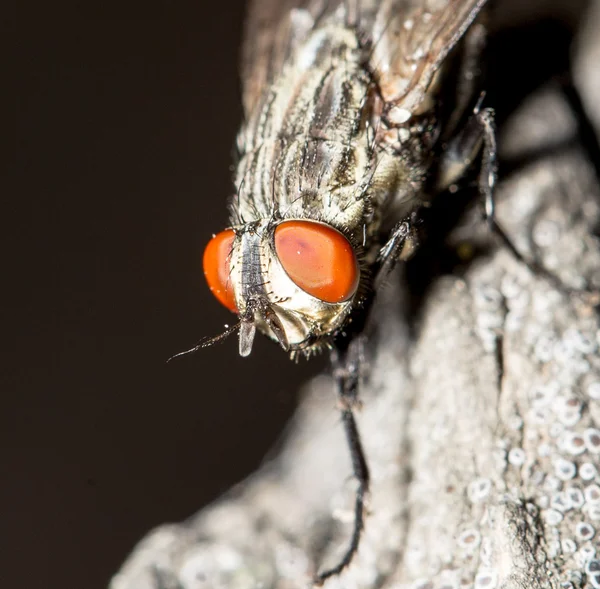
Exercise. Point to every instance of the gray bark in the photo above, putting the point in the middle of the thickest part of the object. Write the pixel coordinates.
(482, 429)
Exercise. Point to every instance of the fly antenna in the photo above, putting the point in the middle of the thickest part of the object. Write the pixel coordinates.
(205, 342)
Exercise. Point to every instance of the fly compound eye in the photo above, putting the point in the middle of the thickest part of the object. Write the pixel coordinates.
(216, 268)
(318, 259)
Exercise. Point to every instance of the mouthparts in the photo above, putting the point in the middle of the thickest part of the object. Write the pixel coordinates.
(248, 329)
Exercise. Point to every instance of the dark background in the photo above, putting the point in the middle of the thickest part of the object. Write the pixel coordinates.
(126, 120)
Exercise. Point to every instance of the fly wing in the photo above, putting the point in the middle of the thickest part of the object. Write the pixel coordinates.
(272, 29)
(410, 38)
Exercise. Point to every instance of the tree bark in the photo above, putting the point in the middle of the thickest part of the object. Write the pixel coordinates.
(481, 424)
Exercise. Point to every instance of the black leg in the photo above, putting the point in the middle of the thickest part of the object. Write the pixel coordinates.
(487, 173)
(346, 370)
(347, 363)
(400, 245)
(479, 134)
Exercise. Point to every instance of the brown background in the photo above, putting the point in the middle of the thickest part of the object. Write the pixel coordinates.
(125, 125)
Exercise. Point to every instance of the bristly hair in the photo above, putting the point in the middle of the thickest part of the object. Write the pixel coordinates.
(206, 342)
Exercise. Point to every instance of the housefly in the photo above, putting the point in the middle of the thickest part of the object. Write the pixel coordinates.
(357, 114)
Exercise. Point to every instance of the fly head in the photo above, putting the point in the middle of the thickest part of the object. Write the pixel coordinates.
(295, 280)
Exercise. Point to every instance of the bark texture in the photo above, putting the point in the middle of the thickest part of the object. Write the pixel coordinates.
(481, 426)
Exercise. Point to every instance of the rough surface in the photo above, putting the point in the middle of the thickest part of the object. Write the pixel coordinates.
(481, 427)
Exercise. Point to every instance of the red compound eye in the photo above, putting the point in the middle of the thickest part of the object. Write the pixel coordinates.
(318, 258)
(216, 268)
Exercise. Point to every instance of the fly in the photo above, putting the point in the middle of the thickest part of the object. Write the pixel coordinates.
(357, 114)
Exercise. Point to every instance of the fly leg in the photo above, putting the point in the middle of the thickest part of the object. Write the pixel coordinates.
(399, 247)
(347, 363)
(464, 141)
(478, 136)
(346, 371)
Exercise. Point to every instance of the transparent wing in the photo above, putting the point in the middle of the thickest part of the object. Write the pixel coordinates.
(410, 38)
(272, 28)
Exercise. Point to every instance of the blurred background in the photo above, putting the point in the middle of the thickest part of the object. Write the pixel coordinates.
(126, 118)
(126, 122)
